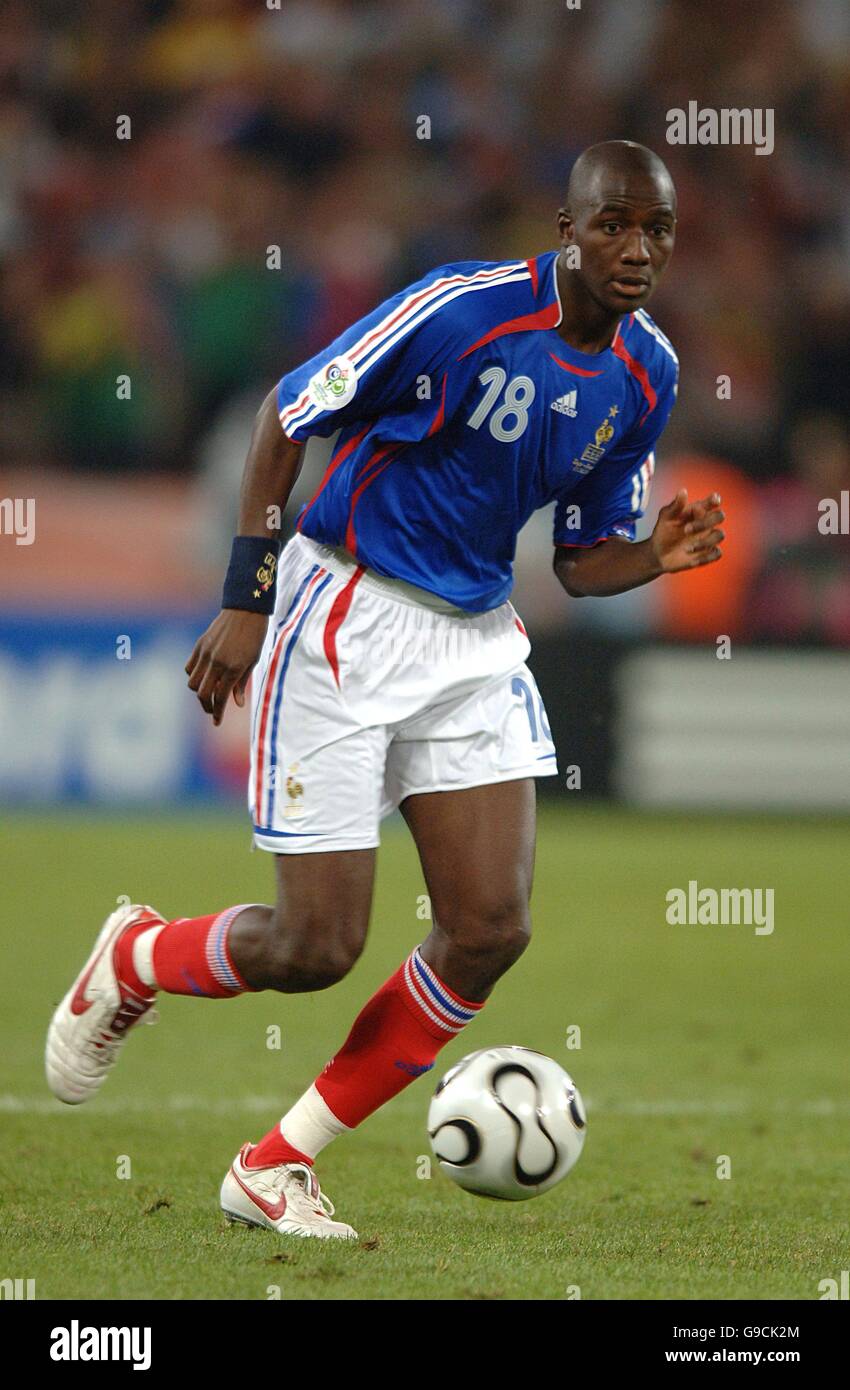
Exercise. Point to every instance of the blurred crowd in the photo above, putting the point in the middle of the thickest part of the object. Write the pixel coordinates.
(257, 124)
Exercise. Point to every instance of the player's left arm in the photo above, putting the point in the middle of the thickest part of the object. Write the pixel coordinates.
(685, 537)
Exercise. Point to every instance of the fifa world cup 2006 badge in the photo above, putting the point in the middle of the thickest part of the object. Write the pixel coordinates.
(592, 453)
(335, 379)
(295, 791)
(335, 384)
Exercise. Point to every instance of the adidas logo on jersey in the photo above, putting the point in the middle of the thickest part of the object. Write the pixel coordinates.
(566, 405)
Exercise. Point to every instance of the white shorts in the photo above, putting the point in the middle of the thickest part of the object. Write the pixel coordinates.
(365, 695)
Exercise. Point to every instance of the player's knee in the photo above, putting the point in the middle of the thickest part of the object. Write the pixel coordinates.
(309, 956)
(494, 932)
(298, 967)
(507, 927)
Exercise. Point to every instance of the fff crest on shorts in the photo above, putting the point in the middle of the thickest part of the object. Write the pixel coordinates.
(295, 791)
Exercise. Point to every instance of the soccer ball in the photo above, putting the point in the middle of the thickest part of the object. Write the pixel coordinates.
(506, 1122)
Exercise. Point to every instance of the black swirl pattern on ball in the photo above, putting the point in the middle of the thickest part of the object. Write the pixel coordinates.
(473, 1139)
(514, 1069)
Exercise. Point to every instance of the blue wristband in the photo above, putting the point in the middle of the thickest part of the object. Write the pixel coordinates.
(252, 574)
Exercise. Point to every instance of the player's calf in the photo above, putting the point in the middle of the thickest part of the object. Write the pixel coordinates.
(309, 955)
(314, 935)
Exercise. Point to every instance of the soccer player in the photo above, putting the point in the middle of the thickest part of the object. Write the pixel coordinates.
(389, 667)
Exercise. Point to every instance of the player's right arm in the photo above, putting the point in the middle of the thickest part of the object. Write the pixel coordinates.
(225, 655)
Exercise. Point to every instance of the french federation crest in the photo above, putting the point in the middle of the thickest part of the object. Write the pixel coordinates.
(295, 791)
(593, 452)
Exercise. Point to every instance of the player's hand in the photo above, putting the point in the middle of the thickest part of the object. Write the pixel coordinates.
(688, 534)
(223, 658)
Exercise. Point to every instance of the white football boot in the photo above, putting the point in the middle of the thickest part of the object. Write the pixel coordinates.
(286, 1199)
(90, 1025)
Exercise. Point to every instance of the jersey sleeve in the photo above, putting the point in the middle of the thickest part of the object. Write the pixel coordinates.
(375, 366)
(610, 500)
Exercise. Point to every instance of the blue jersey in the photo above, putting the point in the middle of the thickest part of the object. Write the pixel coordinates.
(462, 411)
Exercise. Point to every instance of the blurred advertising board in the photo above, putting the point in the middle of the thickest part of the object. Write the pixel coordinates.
(96, 710)
(764, 729)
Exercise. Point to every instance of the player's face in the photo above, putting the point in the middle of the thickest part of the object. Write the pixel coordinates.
(625, 235)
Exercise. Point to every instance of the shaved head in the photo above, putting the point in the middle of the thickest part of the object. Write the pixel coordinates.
(618, 225)
(612, 167)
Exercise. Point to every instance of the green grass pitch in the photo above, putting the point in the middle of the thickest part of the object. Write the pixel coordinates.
(696, 1042)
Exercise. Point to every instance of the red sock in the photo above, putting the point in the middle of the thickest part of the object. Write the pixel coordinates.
(125, 963)
(273, 1150)
(395, 1038)
(190, 956)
